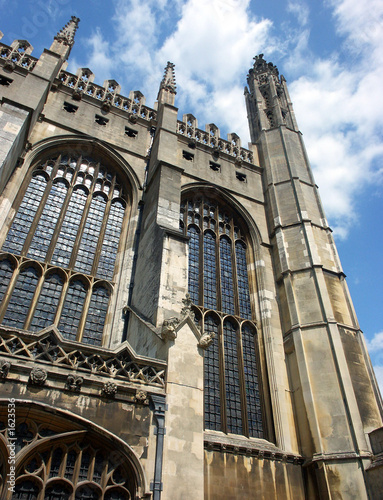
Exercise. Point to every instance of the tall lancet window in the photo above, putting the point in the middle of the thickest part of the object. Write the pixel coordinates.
(219, 288)
(57, 262)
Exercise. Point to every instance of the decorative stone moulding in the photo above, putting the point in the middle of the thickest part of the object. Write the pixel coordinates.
(38, 376)
(5, 366)
(109, 389)
(142, 397)
(74, 383)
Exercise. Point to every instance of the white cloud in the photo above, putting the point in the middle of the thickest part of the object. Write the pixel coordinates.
(375, 345)
(300, 10)
(378, 369)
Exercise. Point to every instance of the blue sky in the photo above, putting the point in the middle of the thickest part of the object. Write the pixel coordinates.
(330, 52)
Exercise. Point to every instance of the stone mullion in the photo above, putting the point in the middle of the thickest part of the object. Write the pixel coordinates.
(242, 383)
(221, 347)
(85, 309)
(8, 294)
(35, 299)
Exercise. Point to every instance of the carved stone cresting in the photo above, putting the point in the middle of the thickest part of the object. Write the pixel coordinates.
(206, 340)
(74, 383)
(169, 326)
(142, 397)
(5, 366)
(109, 389)
(38, 376)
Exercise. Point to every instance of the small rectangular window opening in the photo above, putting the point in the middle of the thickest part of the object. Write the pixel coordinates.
(188, 156)
(5, 81)
(215, 166)
(100, 120)
(241, 177)
(70, 108)
(130, 132)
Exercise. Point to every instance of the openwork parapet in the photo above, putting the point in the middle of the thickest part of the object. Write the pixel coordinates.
(18, 54)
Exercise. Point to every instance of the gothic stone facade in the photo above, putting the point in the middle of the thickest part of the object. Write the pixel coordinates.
(174, 319)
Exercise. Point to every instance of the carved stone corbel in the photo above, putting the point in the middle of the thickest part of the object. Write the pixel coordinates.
(169, 326)
(206, 340)
(5, 366)
(38, 376)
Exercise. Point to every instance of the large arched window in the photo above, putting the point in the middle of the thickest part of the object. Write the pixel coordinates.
(57, 263)
(219, 287)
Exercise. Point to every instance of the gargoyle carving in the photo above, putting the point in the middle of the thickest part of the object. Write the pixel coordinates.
(5, 366)
(169, 326)
(206, 340)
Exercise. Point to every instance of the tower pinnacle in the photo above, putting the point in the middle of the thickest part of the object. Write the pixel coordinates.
(167, 90)
(64, 40)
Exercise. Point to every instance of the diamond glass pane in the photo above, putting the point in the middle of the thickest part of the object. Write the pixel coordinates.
(243, 282)
(72, 309)
(209, 271)
(193, 279)
(233, 395)
(111, 240)
(89, 240)
(227, 292)
(19, 304)
(46, 307)
(95, 320)
(254, 413)
(69, 229)
(47, 223)
(6, 272)
(22, 222)
(212, 385)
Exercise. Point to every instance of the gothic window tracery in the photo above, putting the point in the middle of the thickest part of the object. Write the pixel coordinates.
(220, 289)
(57, 262)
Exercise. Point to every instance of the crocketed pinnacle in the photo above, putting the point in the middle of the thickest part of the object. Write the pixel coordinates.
(169, 80)
(66, 34)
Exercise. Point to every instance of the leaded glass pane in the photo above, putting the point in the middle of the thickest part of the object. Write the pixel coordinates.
(69, 228)
(57, 491)
(243, 282)
(56, 462)
(209, 271)
(47, 223)
(84, 467)
(233, 395)
(254, 412)
(6, 272)
(86, 493)
(212, 382)
(111, 240)
(26, 490)
(89, 240)
(46, 307)
(70, 464)
(193, 279)
(95, 320)
(19, 304)
(23, 220)
(227, 291)
(116, 494)
(72, 309)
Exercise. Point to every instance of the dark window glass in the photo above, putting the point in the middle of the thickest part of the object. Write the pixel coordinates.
(56, 462)
(212, 379)
(233, 395)
(47, 222)
(22, 222)
(243, 282)
(90, 236)
(96, 316)
(26, 490)
(193, 279)
(6, 272)
(209, 271)
(227, 291)
(46, 308)
(86, 493)
(70, 464)
(111, 240)
(19, 304)
(253, 401)
(84, 467)
(116, 494)
(69, 228)
(72, 309)
(57, 491)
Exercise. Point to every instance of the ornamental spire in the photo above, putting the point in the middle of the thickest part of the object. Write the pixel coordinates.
(64, 40)
(167, 90)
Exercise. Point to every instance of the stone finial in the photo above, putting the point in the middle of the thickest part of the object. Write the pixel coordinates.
(167, 90)
(261, 66)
